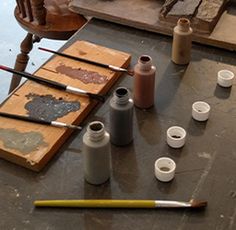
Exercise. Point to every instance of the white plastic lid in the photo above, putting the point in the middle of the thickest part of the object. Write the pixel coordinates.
(175, 137)
(164, 169)
(200, 110)
(225, 78)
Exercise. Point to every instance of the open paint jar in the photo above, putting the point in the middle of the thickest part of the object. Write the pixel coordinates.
(175, 137)
(200, 110)
(225, 78)
(165, 169)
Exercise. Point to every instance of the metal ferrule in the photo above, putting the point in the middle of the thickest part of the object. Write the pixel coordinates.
(71, 89)
(117, 68)
(58, 124)
(171, 204)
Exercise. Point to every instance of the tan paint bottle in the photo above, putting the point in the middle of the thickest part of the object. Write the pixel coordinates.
(182, 42)
(144, 82)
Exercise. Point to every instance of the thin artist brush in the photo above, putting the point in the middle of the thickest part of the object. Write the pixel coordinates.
(39, 121)
(120, 204)
(111, 67)
(54, 84)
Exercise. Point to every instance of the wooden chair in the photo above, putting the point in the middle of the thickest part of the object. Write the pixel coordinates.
(43, 19)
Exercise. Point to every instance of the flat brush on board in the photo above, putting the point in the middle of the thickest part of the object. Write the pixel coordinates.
(54, 84)
(120, 204)
(39, 121)
(111, 67)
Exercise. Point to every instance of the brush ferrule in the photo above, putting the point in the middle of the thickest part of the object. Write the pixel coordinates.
(61, 124)
(58, 124)
(71, 89)
(116, 68)
(171, 204)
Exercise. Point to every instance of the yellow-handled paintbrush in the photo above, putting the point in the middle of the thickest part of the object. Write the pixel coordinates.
(120, 204)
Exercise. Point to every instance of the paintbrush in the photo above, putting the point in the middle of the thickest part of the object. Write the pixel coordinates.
(54, 84)
(111, 67)
(39, 121)
(120, 204)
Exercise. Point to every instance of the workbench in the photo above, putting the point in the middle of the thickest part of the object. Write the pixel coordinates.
(205, 165)
(144, 14)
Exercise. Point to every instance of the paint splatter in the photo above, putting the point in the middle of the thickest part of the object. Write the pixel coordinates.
(47, 107)
(81, 52)
(81, 74)
(24, 142)
(204, 155)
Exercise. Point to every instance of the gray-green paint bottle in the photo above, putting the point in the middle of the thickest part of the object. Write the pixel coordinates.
(121, 117)
(96, 153)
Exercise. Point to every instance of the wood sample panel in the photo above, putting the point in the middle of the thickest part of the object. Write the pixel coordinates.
(145, 14)
(203, 14)
(32, 145)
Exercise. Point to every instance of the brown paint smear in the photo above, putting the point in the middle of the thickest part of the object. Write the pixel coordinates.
(23, 142)
(83, 75)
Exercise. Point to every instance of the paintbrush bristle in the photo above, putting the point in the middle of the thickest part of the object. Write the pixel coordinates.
(198, 204)
(96, 97)
(130, 72)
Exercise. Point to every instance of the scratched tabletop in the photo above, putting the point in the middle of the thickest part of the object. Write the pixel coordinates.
(205, 165)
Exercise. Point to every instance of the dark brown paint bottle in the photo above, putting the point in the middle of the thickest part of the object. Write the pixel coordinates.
(144, 82)
(182, 42)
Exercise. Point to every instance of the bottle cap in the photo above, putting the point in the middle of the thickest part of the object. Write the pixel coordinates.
(145, 62)
(164, 169)
(184, 24)
(176, 136)
(200, 110)
(225, 78)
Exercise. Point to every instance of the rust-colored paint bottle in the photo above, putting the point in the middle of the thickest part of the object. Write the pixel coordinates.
(182, 42)
(144, 82)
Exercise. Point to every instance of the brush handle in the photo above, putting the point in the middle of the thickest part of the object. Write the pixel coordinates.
(54, 84)
(96, 203)
(112, 67)
(25, 118)
(36, 78)
(75, 58)
(39, 121)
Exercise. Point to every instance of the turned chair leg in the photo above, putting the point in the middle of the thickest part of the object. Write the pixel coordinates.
(22, 59)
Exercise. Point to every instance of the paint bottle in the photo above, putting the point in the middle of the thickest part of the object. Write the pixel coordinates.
(144, 82)
(182, 42)
(121, 117)
(96, 153)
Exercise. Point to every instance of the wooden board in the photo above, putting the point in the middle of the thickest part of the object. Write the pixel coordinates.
(53, 137)
(144, 14)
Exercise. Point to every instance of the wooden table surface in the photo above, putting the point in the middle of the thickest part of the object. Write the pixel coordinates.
(205, 165)
(143, 14)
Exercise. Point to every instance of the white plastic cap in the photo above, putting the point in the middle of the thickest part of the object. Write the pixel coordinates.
(200, 110)
(175, 137)
(225, 78)
(164, 169)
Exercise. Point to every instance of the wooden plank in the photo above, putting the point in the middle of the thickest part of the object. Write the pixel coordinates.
(33, 145)
(144, 15)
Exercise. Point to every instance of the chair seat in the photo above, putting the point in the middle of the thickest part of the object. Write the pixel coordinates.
(43, 19)
(61, 23)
